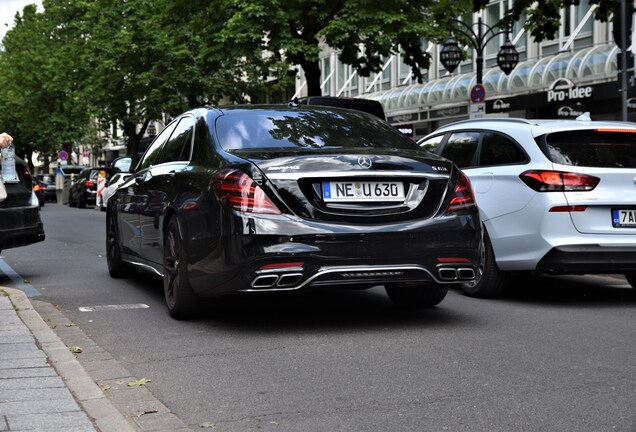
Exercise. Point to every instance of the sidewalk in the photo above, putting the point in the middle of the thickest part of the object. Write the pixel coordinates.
(42, 385)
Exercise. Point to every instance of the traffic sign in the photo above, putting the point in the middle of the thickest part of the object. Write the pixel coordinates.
(62, 155)
(477, 93)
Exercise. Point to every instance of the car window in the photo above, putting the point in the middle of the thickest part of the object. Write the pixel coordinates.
(497, 149)
(432, 143)
(331, 128)
(461, 148)
(150, 156)
(177, 148)
(592, 148)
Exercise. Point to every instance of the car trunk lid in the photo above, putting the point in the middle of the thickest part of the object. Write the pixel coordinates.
(360, 185)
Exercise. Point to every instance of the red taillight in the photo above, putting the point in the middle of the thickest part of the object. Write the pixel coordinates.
(37, 188)
(89, 183)
(27, 174)
(463, 197)
(282, 265)
(568, 208)
(238, 191)
(452, 260)
(558, 181)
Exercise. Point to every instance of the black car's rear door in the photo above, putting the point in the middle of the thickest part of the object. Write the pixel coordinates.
(160, 185)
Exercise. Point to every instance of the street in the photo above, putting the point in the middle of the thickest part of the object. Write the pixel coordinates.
(553, 354)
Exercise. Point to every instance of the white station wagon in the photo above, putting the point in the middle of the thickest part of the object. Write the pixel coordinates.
(555, 196)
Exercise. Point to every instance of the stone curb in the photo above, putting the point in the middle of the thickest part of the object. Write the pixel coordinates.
(87, 393)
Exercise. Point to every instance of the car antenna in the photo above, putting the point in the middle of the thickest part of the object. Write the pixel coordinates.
(584, 117)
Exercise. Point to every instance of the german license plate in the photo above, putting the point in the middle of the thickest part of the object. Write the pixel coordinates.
(361, 191)
(622, 218)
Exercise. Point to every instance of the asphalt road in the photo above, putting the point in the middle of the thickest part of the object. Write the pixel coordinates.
(554, 354)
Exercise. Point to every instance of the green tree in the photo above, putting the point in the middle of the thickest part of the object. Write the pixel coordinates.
(276, 34)
(39, 101)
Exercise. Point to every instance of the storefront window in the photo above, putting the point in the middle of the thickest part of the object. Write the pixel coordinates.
(492, 18)
(325, 75)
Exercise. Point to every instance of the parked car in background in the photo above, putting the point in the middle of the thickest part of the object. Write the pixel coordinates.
(49, 186)
(281, 198)
(370, 106)
(111, 186)
(83, 189)
(554, 196)
(20, 222)
(38, 190)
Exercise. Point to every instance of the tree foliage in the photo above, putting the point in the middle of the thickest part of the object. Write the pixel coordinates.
(39, 101)
(291, 32)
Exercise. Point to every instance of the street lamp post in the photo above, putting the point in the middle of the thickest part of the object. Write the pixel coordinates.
(451, 54)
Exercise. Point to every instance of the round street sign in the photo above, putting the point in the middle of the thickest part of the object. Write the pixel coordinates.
(62, 155)
(478, 94)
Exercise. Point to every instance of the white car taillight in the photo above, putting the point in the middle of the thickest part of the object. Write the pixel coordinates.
(558, 181)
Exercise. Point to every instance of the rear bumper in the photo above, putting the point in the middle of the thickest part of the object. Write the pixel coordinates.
(20, 226)
(587, 259)
(281, 255)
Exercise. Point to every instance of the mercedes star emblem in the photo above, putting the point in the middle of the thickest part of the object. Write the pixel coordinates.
(364, 162)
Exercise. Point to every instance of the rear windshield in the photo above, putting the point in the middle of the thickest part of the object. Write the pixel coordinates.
(592, 148)
(317, 128)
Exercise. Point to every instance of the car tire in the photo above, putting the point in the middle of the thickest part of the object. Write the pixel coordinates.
(116, 266)
(631, 278)
(71, 203)
(416, 296)
(181, 300)
(81, 203)
(489, 281)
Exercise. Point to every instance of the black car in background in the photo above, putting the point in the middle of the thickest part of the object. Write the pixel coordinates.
(365, 105)
(281, 198)
(20, 222)
(83, 190)
(49, 186)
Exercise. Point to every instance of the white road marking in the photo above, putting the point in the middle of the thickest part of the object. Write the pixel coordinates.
(113, 307)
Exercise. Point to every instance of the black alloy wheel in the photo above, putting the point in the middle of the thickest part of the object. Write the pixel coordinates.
(489, 280)
(181, 300)
(81, 199)
(116, 266)
(416, 296)
(71, 203)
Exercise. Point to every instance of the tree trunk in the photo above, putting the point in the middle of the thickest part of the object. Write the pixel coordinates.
(312, 75)
(130, 129)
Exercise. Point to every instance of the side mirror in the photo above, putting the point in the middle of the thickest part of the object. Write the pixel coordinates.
(122, 164)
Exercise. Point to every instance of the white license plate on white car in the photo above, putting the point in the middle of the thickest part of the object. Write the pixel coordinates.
(361, 191)
(624, 218)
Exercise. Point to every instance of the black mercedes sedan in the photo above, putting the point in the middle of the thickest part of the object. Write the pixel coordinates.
(277, 198)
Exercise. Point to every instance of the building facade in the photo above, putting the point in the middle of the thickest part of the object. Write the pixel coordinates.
(575, 72)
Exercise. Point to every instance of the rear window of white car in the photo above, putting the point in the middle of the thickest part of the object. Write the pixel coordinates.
(592, 148)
